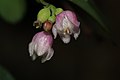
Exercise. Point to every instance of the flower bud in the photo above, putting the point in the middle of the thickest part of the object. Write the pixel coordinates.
(47, 25)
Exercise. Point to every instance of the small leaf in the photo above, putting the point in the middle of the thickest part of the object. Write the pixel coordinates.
(12, 10)
(58, 11)
(5, 75)
(53, 9)
(43, 14)
(91, 10)
(52, 18)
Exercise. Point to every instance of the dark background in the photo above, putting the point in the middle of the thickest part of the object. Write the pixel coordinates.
(91, 57)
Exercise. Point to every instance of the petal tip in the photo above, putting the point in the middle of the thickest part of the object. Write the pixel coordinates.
(34, 57)
(48, 55)
(66, 40)
(54, 31)
(30, 48)
(76, 34)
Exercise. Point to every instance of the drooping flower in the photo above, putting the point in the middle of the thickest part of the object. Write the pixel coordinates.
(41, 45)
(66, 25)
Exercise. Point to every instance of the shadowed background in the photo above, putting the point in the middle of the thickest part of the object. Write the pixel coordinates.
(91, 57)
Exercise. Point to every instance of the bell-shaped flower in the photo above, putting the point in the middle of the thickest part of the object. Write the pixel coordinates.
(66, 25)
(41, 46)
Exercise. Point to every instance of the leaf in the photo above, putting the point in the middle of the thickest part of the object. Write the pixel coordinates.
(91, 10)
(58, 11)
(5, 75)
(12, 10)
(43, 14)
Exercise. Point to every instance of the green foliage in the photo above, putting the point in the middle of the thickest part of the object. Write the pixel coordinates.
(54, 11)
(49, 12)
(5, 75)
(12, 10)
(91, 10)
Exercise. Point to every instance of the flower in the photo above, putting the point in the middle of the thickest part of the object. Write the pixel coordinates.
(41, 46)
(66, 25)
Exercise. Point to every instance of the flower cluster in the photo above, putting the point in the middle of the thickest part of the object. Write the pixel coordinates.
(54, 21)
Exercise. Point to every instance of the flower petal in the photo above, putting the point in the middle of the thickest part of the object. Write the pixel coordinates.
(34, 56)
(76, 34)
(54, 31)
(48, 55)
(72, 17)
(66, 38)
(31, 48)
(42, 46)
(66, 23)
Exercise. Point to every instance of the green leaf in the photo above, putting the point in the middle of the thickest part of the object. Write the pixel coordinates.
(91, 10)
(53, 9)
(43, 14)
(12, 10)
(5, 75)
(58, 11)
(52, 18)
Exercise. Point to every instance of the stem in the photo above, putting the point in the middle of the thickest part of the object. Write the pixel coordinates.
(44, 3)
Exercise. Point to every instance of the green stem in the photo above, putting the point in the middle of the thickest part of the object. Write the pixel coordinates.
(44, 3)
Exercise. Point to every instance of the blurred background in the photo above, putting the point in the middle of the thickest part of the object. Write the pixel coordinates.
(94, 56)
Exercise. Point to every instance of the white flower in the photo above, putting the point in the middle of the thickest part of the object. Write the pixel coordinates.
(66, 25)
(41, 46)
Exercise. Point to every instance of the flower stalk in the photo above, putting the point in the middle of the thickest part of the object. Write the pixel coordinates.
(44, 3)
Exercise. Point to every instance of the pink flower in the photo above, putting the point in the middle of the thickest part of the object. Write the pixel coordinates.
(41, 46)
(66, 25)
